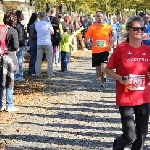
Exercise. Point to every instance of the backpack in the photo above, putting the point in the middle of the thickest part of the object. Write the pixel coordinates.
(57, 38)
(3, 34)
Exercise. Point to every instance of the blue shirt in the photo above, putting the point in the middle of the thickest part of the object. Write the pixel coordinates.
(106, 21)
(146, 36)
(118, 25)
(115, 29)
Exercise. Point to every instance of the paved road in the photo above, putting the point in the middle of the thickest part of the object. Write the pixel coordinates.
(70, 114)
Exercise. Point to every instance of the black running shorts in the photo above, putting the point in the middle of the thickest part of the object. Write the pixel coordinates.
(98, 58)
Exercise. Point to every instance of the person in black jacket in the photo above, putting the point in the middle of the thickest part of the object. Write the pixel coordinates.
(55, 39)
(22, 45)
(32, 43)
(10, 63)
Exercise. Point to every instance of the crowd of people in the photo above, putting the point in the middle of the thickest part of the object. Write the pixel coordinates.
(53, 37)
(49, 36)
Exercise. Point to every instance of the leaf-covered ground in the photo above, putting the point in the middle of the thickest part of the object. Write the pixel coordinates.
(32, 88)
(63, 113)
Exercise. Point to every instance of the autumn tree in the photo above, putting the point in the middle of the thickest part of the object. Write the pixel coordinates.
(107, 6)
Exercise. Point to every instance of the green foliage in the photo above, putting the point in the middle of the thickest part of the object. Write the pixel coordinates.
(107, 6)
(11, 5)
(41, 4)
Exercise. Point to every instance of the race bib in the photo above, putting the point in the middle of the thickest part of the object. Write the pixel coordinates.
(146, 36)
(101, 43)
(137, 82)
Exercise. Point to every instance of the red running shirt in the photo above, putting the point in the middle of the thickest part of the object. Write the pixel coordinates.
(135, 61)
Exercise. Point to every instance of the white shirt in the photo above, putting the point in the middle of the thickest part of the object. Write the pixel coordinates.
(43, 29)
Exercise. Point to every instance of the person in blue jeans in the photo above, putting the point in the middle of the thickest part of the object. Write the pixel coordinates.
(32, 43)
(65, 43)
(64, 60)
(9, 63)
(20, 54)
(9, 102)
(22, 36)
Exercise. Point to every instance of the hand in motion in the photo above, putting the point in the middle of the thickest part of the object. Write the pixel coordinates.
(125, 82)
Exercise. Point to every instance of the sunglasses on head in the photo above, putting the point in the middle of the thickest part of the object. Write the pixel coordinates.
(138, 28)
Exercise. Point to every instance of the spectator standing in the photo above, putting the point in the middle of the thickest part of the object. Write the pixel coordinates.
(131, 59)
(22, 45)
(77, 25)
(66, 23)
(51, 14)
(32, 43)
(86, 23)
(60, 17)
(10, 63)
(66, 42)
(55, 38)
(44, 30)
(74, 40)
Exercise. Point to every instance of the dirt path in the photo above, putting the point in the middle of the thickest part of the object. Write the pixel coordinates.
(65, 112)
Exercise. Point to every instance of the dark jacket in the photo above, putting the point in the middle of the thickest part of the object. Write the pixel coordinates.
(12, 39)
(32, 33)
(53, 40)
(10, 62)
(22, 35)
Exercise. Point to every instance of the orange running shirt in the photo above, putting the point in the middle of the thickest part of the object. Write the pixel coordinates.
(100, 35)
